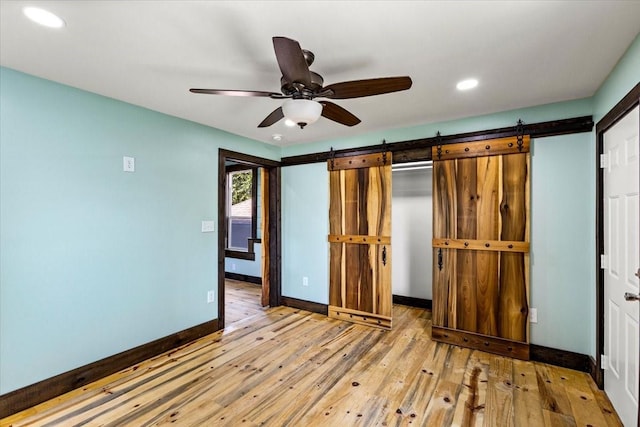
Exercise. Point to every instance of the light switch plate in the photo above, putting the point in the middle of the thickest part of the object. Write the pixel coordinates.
(208, 226)
(533, 315)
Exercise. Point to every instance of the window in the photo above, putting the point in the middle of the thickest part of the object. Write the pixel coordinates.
(241, 211)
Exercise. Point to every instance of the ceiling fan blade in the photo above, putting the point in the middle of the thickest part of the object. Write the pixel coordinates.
(291, 61)
(276, 115)
(338, 114)
(229, 92)
(368, 87)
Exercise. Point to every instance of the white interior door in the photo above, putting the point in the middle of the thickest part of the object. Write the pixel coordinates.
(622, 246)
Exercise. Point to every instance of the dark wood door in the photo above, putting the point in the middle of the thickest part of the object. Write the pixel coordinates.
(481, 245)
(360, 239)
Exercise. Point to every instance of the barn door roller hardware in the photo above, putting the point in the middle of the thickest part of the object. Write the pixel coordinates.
(520, 134)
(439, 141)
(332, 157)
(384, 152)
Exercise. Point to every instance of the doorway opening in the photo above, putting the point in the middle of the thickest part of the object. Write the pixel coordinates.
(412, 225)
(248, 235)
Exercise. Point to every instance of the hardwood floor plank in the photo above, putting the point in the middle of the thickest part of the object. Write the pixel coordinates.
(584, 406)
(555, 419)
(285, 366)
(419, 393)
(553, 396)
(500, 392)
(605, 405)
(441, 408)
(470, 410)
(527, 405)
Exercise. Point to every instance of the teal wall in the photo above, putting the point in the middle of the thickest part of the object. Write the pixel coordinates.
(563, 242)
(93, 260)
(305, 226)
(245, 266)
(621, 80)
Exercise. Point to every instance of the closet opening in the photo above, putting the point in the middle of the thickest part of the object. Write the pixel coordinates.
(412, 230)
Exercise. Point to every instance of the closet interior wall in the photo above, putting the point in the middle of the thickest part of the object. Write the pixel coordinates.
(411, 222)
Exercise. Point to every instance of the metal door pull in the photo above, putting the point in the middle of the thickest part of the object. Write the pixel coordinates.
(631, 297)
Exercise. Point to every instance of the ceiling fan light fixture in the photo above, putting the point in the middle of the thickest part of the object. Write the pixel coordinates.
(290, 123)
(302, 111)
(43, 17)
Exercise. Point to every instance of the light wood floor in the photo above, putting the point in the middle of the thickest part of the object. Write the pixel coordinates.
(295, 368)
(242, 300)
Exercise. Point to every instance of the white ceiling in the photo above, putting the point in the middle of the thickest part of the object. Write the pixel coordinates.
(149, 53)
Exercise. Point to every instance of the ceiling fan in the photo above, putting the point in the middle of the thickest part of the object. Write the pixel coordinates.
(300, 86)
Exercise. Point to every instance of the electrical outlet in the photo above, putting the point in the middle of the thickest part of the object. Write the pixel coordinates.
(207, 226)
(533, 315)
(211, 296)
(128, 164)
(305, 281)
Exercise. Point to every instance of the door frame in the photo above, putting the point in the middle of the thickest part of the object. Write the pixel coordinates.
(271, 167)
(622, 108)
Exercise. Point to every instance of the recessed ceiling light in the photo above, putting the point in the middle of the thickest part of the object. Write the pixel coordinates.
(289, 123)
(467, 84)
(276, 137)
(43, 17)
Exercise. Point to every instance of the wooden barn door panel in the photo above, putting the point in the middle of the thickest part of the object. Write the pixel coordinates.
(360, 239)
(481, 245)
(466, 229)
(514, 309)
(444, 222)
(488, 215)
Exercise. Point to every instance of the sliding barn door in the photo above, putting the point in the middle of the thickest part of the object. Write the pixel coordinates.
(360, 239)
(481, 245)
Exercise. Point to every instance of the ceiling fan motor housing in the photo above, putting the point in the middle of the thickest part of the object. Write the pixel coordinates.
(299, 90)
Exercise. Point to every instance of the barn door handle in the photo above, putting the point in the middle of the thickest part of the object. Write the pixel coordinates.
(638, 273)
(384, 255)
(631, 297)
(440, 259)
